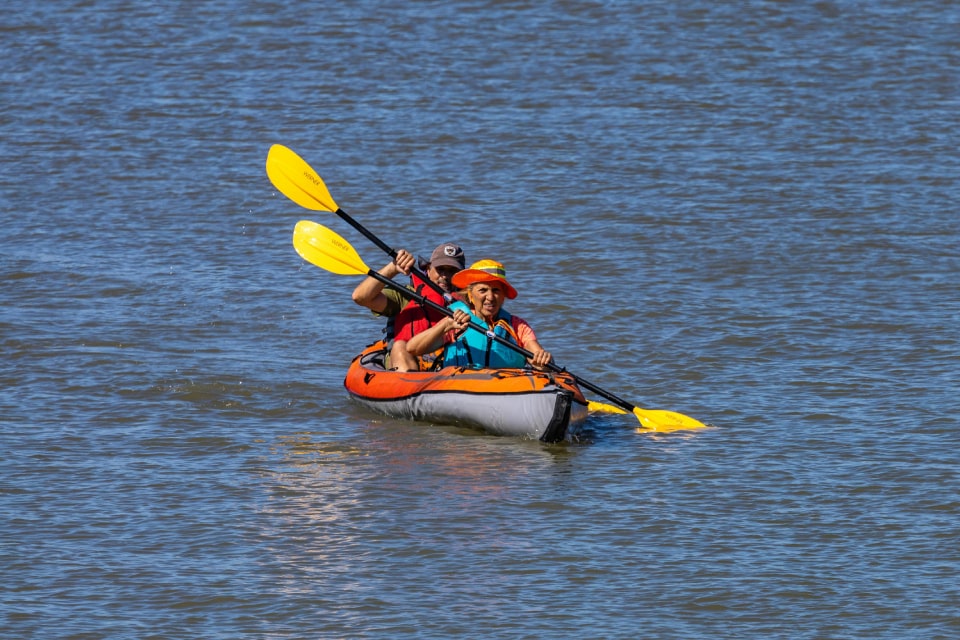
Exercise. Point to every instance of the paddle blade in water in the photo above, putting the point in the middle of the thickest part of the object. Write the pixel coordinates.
(652, 419)
(603, 407)
(297, 180)
(664, 421)
(322, 247)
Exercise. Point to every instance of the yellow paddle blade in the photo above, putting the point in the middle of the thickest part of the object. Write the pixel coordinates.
(294, 178)
(322, 247)
(605, 408)
(664, 421)
(652, 419)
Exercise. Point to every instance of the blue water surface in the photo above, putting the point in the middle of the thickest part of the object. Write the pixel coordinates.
(744, 212)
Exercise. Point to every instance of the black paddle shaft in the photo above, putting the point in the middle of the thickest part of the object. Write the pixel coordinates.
(386, 249)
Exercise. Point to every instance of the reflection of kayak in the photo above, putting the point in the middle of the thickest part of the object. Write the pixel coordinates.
(509, 402)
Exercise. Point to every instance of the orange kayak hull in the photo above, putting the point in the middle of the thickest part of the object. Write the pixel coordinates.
(508, 402)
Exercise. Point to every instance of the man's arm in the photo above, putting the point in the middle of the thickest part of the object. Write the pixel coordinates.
(369, 293)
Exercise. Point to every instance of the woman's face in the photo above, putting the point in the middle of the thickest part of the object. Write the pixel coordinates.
(487, 298)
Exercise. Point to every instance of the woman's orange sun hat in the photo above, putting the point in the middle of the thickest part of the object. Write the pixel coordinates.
(484, 271)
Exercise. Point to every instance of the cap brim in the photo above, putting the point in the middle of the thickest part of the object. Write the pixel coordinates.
(444, 262)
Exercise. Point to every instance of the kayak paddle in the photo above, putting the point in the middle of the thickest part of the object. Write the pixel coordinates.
(297, 180)
(324, 248)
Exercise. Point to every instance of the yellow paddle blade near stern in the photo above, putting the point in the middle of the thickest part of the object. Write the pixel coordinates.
(664, 421)
(324, 248)
(651, 419)
(603, 407)
(297, 180)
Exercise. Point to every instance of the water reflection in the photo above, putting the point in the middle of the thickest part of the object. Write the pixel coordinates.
(353, 519)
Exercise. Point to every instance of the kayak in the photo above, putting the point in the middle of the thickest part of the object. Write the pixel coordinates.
(525, 403)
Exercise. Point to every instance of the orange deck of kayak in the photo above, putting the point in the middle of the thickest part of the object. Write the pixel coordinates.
(393, 385)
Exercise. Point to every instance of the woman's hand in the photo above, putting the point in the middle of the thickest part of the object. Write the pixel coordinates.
(541, 359)
(459, 321)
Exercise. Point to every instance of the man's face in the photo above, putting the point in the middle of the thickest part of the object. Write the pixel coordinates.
(443, 276)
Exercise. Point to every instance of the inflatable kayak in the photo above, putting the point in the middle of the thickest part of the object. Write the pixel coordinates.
(525, 403)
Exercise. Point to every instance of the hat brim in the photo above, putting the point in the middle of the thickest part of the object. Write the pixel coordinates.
(467, 277)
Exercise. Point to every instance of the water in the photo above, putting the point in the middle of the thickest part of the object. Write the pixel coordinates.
(743, 212)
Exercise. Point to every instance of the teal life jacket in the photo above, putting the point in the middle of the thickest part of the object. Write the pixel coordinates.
(477, 350)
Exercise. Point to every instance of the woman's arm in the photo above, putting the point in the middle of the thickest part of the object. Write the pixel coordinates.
(433, 338)
(528, 340)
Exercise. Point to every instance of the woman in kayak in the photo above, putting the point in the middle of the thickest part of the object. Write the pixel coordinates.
(485, 288)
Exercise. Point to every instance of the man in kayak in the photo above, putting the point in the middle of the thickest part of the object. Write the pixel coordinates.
(405, 319)
(486, 286)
